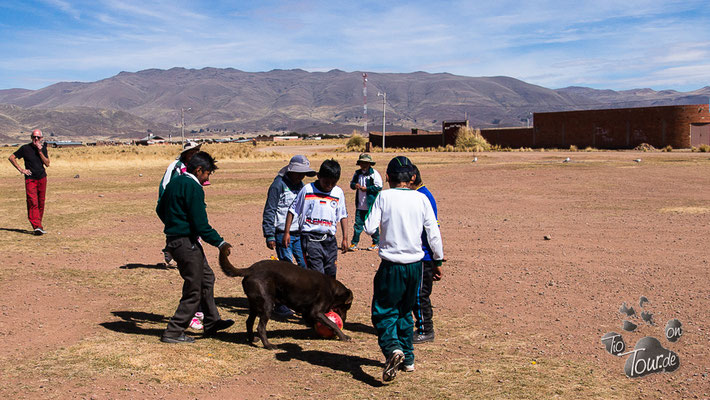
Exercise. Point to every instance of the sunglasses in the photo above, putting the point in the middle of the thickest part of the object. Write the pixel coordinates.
(36, 137)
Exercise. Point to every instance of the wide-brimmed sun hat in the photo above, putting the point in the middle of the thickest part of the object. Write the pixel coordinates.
(364, 157)
(298, 164)
(190, 145)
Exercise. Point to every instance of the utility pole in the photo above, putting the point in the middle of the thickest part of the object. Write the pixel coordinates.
(182, 122)
(384, 110)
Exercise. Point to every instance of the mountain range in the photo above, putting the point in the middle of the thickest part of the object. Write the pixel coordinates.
(230, 102)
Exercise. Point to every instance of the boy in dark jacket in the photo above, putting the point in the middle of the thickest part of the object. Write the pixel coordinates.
(367, 183)
(182, 210)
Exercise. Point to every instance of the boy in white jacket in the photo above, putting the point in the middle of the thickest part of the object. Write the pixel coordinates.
(400, 213)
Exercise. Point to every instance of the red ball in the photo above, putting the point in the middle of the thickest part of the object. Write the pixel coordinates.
(325, 331)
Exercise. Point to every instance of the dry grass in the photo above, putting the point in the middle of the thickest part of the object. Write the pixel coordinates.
(471, 139)
(469, 363)
(476, 365)
(131, 157)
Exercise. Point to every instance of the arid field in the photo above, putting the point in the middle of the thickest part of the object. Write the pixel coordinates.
(517, 316)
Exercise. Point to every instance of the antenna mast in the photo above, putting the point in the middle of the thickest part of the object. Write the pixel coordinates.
(364, 99)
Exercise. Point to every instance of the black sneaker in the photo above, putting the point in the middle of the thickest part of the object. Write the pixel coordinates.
(423, 337)
(392, 365)
(220, 325)
(39, 231)
(281, 311)
(178, 339)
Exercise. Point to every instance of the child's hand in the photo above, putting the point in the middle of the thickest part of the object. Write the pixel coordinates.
(286, 240)
(437, 273)
(344, 246)
(225, 248)
(437, 270)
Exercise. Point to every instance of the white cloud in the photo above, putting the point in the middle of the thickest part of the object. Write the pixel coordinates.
(552, 43)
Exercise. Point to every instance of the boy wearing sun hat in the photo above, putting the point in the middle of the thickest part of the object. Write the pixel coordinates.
(282, 192)
(367, 183)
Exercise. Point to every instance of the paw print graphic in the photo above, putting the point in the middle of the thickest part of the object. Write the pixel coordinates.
(648, 356)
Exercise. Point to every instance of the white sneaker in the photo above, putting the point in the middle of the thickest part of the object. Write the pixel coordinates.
(392, 365)
(407, 368)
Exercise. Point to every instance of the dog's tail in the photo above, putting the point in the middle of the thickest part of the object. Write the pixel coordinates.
(227, 267)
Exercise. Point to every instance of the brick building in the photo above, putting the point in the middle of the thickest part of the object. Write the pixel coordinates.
(621, 128)
(624, 128)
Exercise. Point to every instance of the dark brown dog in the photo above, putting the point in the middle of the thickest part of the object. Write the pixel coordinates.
(307, 292)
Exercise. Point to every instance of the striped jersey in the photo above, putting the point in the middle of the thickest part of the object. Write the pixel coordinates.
(317, 211)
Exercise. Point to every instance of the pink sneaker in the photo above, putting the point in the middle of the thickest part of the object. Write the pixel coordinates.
(200, 315)
(196, 324)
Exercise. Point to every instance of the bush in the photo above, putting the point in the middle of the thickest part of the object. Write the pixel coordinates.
(704, 148)
(470, 139)
(668, 148)
(356, 142)
(573, 148)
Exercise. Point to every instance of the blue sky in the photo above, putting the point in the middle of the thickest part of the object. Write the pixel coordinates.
(604, 44)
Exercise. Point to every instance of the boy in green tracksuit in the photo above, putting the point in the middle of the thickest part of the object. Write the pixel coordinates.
(367, 183)
(182, 210)
(402, 215)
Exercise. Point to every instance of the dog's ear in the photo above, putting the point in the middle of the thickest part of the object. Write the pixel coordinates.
(349, 300)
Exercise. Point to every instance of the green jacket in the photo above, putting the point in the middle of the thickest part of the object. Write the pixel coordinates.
(372, 185)
(182, 209)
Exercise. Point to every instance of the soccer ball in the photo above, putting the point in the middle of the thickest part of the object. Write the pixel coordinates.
(323, 330)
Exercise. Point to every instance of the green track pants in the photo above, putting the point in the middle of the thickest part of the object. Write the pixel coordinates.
(395, 291)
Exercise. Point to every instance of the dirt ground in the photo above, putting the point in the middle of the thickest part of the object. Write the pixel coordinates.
(516, 315)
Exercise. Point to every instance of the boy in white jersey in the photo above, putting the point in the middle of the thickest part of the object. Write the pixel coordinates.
(318, 208)
(401, 214)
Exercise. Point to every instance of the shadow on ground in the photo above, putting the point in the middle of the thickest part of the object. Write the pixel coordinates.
(25, 231)
(240, 306)
(149, 266)
(341, 362)
(132, 321)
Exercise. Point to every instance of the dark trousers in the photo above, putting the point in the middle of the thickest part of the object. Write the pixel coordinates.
(320, 252)
(35, 190)
(394, 294)
(360, 226)
(422, 307)
(198, 288)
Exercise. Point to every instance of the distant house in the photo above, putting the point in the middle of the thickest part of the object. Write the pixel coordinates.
(150, 140)
(285, 138)
(64, 143)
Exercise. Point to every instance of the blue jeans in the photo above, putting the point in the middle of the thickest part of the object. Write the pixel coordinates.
(292, 251)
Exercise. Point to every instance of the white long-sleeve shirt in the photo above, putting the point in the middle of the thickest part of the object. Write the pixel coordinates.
(401, 214)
